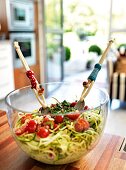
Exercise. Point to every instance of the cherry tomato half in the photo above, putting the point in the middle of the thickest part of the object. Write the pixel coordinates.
(20, 130)
(73, 116)
(59, 119)
(27, 116)
(81, 125)
(55, 126)
(73, 104)
(49, 122)
(46, 119)
(86, 107)
(43, 132)
(31, 126)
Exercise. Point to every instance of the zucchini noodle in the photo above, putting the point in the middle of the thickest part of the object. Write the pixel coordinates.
(64, 145)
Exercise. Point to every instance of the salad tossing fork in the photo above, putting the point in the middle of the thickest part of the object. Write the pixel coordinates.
(91, 79)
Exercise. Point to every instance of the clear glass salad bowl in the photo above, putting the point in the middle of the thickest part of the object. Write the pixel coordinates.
(63, 135)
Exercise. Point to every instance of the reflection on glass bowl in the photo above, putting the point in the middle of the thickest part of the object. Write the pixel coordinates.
(63, 135)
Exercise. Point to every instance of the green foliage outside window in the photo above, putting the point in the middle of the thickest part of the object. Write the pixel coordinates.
(79, 18)
(96, 49)
(67, 53)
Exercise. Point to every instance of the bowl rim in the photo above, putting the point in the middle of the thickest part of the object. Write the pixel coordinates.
(106, 100)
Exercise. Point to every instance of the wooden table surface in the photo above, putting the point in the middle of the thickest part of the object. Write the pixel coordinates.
(107, 155)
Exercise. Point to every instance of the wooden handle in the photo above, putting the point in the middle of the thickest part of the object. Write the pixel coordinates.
(17, 47)
(106, 51)
(87, 90)
(40, 98)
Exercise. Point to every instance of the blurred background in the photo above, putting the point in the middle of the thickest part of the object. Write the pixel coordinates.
(60, 39)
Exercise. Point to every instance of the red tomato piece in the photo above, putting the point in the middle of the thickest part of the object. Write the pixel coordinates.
(73, 104)
(78, 127)
(59, 119)
(84, 122)
(31, 126)
(43, 132)
(46, 119)
(73, 116)
(81, 125)
(55, 126)
(20, 130)
(86, 107)
(27, 116)
(48, 122)
(53, 105)
(38, 126)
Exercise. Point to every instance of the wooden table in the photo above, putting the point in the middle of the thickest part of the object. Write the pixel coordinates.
(108, 155)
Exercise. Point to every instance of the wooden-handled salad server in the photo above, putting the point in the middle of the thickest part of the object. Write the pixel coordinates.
(37, 88)
(91, 79)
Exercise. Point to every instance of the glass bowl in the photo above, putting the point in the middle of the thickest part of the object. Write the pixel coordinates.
(62, 135)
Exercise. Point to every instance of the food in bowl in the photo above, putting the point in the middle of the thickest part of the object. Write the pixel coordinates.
(61, 136)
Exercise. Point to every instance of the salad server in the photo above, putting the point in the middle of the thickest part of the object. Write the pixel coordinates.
(91, 79)
(37, 88)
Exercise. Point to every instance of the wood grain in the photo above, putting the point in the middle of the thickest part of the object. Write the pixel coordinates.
(105, 156)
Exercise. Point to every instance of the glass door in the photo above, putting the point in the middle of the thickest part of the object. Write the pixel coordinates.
(53, 16)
